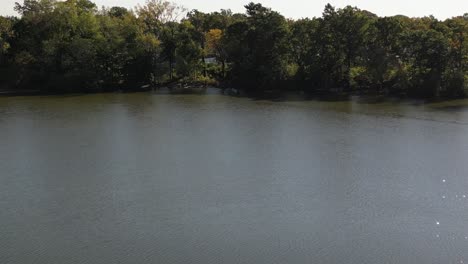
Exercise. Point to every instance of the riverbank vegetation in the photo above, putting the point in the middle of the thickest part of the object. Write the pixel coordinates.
(74, 46)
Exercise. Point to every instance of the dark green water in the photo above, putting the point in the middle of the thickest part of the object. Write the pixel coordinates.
(151, 178)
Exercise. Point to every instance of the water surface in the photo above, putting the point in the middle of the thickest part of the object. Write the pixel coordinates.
(153, 178)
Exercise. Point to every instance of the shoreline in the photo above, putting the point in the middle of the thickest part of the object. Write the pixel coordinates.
(273, 95)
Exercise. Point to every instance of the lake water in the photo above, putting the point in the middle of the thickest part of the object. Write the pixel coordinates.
(155, 178)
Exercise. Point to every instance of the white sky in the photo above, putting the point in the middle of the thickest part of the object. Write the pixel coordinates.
(441, 9)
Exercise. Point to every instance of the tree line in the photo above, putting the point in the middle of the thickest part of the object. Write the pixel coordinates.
(74, 46)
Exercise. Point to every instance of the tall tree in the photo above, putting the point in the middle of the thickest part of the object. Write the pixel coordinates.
(258, 47)
(215, 47)
(160, 18)
(6, 33)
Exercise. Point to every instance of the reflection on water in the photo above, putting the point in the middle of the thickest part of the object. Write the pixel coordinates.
(155, 178)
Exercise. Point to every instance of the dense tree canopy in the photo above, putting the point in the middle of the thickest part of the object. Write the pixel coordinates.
(72, 45)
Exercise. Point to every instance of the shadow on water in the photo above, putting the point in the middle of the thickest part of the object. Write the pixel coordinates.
(451, 106)
(367, 99)
(440, 104)
(351, 100)
(275, 96)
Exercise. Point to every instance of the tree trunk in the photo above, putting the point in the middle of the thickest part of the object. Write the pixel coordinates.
(203, 59)
(223, 69)
(204, 66)
(348, 73)
(171, 71)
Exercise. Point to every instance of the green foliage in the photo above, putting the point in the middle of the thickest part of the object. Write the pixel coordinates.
(71, 45)
(188, 51)
(258, 48)
(6, 33)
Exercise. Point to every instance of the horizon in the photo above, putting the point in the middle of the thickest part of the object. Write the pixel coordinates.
(295, 9)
